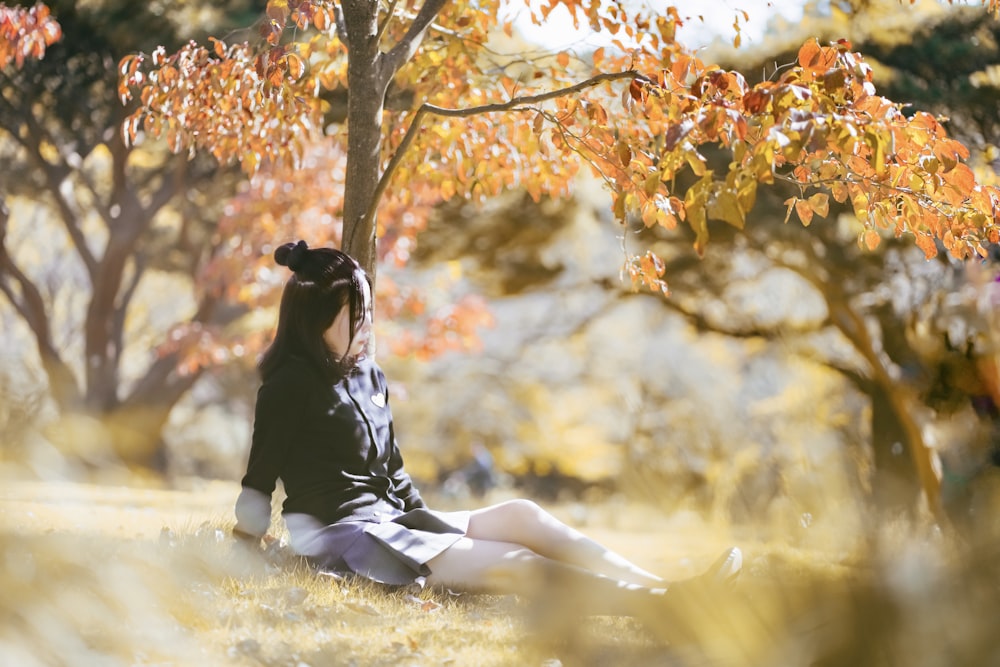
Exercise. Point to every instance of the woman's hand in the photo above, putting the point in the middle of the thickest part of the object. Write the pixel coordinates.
(248, 541)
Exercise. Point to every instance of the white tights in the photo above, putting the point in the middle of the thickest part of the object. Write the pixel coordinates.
(516, 547)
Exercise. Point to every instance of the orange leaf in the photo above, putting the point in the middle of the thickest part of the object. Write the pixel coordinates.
(871, 239)
(219, 46)
(805, 211)
(320, 20)
(815, 58)
(961, 178)
(624, 153)
(839, 191)
(809, 53)
(637, 91)
(563, 59)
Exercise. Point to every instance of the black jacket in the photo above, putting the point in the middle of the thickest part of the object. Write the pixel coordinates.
(332, 445)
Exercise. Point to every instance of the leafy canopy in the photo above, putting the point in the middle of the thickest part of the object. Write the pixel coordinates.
(25, 33)
(643, 115)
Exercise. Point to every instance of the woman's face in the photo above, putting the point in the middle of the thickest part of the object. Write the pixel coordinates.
(338, 336)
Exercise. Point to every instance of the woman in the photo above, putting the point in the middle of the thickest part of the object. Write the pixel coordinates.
(323, 425)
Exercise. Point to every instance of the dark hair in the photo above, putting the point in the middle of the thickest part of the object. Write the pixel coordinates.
(324, 280)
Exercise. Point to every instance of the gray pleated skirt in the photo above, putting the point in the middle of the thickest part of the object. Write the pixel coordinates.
(392, 551)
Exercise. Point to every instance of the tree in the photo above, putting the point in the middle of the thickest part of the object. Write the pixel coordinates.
(819, 125)
(125, 213)
(921, 349)
(61, 146)
(642, 113)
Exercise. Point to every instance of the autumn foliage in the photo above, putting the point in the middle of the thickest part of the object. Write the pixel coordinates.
(640, 114)
(467, 113)
(26, 33)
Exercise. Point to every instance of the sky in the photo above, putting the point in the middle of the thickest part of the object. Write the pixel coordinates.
(709, 20)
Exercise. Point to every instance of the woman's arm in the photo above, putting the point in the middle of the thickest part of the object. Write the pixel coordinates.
(276, 423)
(402, 485)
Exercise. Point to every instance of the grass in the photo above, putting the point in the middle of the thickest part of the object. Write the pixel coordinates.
(129, 576)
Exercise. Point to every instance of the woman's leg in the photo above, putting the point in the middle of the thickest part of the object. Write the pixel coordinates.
(505, 568)
(561, 593)
(522, 522)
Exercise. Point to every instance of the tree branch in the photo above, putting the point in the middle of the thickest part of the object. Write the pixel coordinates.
(400, 54)
(55, 177)
(573, 141)
(121, 309)
(31, 308)
(857, 378)
(513, 103)
(173, 183)
(54, 174)
(338, 21)
(702, 323)
(389, 15)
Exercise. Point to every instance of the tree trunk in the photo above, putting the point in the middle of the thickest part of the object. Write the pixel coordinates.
(364, 113)
(102, 350)
(895, 484)
(888, 399)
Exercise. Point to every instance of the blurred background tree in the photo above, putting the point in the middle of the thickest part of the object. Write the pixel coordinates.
(103, 218)
(920, 335)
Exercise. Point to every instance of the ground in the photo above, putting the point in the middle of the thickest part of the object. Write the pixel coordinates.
(110, 575)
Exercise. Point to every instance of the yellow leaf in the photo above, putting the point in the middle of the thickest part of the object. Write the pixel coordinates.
(295, 66)
(726, 207)
(695, 162)
(820, 203)
(649, 213)
(839, 191)
(790, 203)
(694, 205)
(652, 184)
(871, 239)
(277, 9)
(448, 189)
(805, 211)
(619, 208)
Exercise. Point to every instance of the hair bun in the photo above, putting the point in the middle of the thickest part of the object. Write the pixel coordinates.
(292, 255)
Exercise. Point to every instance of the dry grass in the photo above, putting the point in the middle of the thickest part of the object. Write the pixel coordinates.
(127, 576)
